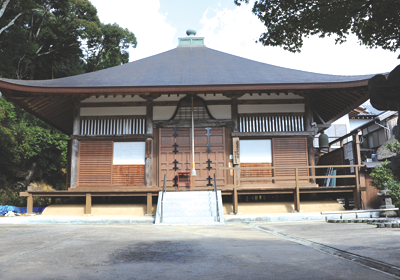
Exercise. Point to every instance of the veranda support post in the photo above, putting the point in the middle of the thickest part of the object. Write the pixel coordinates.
(88, 208)
(149, 210)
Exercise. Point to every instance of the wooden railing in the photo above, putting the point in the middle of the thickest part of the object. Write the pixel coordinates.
(297, 177)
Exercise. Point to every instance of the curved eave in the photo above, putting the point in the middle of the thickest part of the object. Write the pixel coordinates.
(181, 88)
(55, 105)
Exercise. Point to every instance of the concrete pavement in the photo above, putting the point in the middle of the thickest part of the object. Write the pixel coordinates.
(234, 251)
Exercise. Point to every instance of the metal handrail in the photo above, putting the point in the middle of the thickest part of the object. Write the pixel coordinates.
(216, 198)
(162, 197)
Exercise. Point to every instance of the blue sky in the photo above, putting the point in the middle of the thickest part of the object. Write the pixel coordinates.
(158, 23)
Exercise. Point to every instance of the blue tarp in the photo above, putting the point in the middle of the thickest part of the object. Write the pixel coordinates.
(5, 208)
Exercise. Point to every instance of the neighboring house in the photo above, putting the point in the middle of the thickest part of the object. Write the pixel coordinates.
(130, 125)
(370, 129)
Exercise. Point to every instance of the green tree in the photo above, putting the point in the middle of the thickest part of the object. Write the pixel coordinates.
(288, 22)
(382, 178)
(110, 48)
(47, 39)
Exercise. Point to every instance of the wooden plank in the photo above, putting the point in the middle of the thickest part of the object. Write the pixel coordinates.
(236, 150)
(188, 123)
(95, 163)
(289, 151)
(175, 103)
(29, 205)
(298, 166)
(272, 134)
(124, 117)
(128, 175)
(88, 207)
(149, 208)
(133, 137)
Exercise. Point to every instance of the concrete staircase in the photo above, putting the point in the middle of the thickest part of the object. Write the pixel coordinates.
(190, 208)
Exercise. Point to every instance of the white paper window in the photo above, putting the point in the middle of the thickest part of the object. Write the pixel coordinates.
(255, 151)
(126, 153)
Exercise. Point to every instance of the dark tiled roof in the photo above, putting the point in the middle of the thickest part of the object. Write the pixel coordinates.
(370, 110)
(186, 66)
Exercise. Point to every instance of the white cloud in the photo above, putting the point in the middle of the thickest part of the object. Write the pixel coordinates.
(235, 32)
(143, 18)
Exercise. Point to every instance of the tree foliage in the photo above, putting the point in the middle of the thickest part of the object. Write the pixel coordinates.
(288, 22)
(47, 39)
(382, 178)
(59, 38)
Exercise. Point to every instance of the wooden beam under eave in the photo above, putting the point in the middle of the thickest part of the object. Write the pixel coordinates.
(175, 103)
(273, 134)
(112, 137)
(348, 109)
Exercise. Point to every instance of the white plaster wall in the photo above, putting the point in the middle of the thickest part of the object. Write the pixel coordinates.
(354, 123)
(162, 113)
(344, 120)
(113, 111)
(272, 96)
(271, 108)
(220, 112)
(110, 98)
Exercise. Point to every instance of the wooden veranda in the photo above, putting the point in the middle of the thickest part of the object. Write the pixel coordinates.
(292, 184)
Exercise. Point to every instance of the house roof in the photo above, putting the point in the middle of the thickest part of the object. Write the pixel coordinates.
(189, 66)
(187, 70)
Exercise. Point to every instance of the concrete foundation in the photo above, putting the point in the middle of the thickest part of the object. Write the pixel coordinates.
(139, 210)
(135, 210)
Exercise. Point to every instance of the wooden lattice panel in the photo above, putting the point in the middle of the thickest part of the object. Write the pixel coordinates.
(259, 173)
(128, 175)
(95, 163)
(290, 152)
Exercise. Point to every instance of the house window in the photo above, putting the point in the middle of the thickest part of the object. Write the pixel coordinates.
(255, 151)
(129, 153)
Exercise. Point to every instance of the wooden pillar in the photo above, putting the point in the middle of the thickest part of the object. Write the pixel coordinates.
(88, 208)
(149, 163)
(75, 145)
(234, 114)
(29, 205)
(149, 116)
(149, 210)
(149, 142)
(235, 201)
(360, 179)
(297, 192)
(308, 119)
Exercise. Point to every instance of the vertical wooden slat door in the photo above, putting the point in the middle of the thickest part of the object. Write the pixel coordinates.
(216, 139)
(167, 139)
(183, 156)
(95, 163)
(289, 152)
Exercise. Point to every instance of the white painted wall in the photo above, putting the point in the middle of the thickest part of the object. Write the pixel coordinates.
(344, 120)
(354, 123)
(271, 108)
(113, 111)
(220, 112)
(162, 113)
